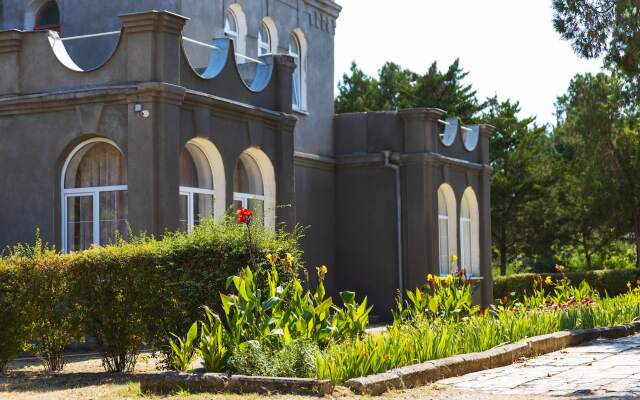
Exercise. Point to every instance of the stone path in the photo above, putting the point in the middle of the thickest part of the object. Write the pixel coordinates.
(599, 369)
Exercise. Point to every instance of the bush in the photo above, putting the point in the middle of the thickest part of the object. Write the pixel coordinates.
(54, 322)
(132, 293)
(296, 359)
(611, 282)
(14, 319)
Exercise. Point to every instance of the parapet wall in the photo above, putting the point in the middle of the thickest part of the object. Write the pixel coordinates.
(150, 49)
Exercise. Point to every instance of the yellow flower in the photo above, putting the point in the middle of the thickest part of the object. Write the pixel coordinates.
(321, 271)
(454, 259)
(429, 278)
(548, 281)
(449, 279)
(290, 258)
(272, 258)
(629, 285)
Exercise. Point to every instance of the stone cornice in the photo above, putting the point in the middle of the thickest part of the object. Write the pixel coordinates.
(423, 114)
(158, 21)
(328, 6)
(407, 159)
(10, 41)
(314, 161)
(64, 100)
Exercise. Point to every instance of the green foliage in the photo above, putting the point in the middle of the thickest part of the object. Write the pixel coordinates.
(611, 282)
(294, 359)
(398, 88)
(418, 341)
(55, 321)
(260, 323)
(351, 320)
(184, 349)
(212, 347)
(15, 320)
(597, 27)
(448, 298)
(129, 294)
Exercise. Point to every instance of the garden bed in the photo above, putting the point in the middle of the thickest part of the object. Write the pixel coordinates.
(408, 377)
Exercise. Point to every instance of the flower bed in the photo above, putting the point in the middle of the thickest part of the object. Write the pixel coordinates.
(269, 322)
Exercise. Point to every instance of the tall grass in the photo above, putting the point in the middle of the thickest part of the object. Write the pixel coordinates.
(411, 343)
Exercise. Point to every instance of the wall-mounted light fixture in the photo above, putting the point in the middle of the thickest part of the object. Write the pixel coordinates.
(141, 111)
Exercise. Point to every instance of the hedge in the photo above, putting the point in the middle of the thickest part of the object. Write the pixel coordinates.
(610, 281)
(128, 294)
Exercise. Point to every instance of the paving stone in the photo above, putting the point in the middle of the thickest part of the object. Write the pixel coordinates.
(603, 368)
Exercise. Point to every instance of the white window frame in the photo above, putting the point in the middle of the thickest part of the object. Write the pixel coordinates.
(190, 193)
(299, 68)
(264, 47)
(245, 197)
(233, 35)
(443, 219)
(466, 260)
(93, 192)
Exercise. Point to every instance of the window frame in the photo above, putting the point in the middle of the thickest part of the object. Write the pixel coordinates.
(190, 192)
(38, 14)
(298, 72)
(264, 48)
(233, 35)
(91, 191)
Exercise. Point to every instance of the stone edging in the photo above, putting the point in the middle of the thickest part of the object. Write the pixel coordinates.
(431, 371)
(169, 381)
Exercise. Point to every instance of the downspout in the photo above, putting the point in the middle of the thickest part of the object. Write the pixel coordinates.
(396, 168)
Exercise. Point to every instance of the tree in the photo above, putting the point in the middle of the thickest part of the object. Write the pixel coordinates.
(602, 27)
(520, 152)
(599, 132)
(358, 92)
(398, 88)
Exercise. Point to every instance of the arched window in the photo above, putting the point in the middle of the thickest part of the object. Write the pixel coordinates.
(94, 195)
(297, 50)
(201, 183)
(254, 185)
(469, 234)
(264, 40)
(231, 25)
(48, 17)
(446, 228)
(235, 28)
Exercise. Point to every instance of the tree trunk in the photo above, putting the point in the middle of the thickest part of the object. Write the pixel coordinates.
(587, 248)
(503, 257)
(637, 232)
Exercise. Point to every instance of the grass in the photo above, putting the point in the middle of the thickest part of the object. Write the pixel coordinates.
(411, 343)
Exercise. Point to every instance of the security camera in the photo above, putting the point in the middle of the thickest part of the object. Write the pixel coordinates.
(145, 114)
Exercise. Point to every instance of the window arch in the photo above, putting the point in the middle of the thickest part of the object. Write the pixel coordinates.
(264, 40)
(94, 195)
(235, 28)
(267, 37)
(201, 183)
(43, 15)
(470, 233)
(298, 50)
(254, 185)
(446, 228)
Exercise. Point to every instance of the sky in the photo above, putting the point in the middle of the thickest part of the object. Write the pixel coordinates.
(509, 46)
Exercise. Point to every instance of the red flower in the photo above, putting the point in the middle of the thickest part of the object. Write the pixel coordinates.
(244, 215)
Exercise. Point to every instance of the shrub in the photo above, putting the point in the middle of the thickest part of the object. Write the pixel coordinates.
(14, 319)
(294, 359)
(611, 282)
(54, 321)
(131, 293)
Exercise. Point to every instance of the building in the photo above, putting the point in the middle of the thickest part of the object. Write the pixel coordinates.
(113, 114)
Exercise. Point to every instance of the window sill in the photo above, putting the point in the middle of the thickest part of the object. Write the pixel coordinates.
(301, 112)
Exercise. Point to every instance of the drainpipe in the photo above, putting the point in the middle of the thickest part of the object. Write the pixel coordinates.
(396, 168)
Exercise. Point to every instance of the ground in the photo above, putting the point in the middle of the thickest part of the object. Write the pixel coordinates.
(601, 369)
